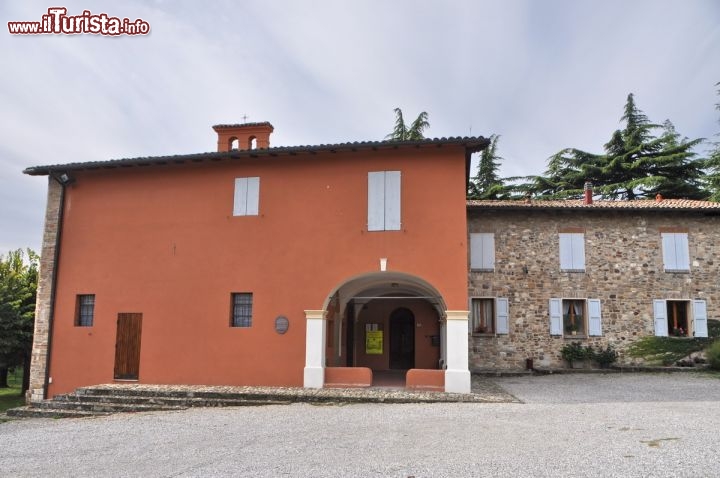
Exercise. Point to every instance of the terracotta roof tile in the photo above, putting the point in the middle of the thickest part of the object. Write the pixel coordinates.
(638, 204)
(471, 144)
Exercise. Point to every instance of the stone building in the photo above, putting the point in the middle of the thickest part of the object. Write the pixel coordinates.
(543, 273)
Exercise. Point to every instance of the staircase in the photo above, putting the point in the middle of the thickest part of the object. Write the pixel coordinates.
(108, 399)
(122, 397)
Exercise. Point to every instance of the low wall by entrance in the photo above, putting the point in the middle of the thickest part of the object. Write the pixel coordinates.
(348, 377)
(425, 380)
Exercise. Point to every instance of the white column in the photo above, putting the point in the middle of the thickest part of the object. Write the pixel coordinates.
(314, 373)
(457, 374)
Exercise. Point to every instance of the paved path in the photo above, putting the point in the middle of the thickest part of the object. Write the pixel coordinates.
(569, 425)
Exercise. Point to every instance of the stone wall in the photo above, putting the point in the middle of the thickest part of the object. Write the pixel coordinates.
(39, 357)
(624, 269)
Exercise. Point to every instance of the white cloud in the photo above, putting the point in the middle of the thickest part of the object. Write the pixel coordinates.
(545, 75)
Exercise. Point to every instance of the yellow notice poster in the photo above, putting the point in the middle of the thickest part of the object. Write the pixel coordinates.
(374, 342)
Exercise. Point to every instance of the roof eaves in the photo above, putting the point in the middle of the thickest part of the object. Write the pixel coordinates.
(471, 144)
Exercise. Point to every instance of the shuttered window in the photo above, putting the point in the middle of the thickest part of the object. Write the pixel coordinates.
(674, 318)
(489, 316)
(572, 251)
(575, 317)
(482, 251)
(241, 309)
(85, 310)
(384, 201)
(247, 197)
(676, 255)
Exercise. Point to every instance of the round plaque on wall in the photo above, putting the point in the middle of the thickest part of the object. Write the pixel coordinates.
(281, 324)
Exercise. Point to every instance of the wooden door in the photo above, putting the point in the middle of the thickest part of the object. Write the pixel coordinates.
(127, 346)
(402, 339)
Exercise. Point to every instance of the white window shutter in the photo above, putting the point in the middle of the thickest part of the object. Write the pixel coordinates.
(594, 317)
(700, 318)
(482, 250)
(660, 314)
(253, 196)
(578, 251)
(240, 200)
(668, 250)
(502, 316)
(476, 250)
(556, 317)
(566, 259)
(488, 251)
(376, 201)
(392, 200)
(682, 252)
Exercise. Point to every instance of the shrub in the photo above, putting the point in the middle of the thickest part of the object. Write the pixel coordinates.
(605, 356)
(574, 351)
(713, 326)
(712, 354)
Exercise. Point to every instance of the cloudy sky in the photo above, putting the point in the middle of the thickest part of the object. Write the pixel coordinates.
(543, 74)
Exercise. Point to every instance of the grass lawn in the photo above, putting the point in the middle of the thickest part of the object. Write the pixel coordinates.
(11, 397)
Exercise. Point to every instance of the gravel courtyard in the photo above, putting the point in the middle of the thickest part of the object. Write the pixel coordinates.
(567, 425)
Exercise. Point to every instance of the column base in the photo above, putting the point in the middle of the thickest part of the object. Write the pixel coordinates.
(314, 377)
(457, 381)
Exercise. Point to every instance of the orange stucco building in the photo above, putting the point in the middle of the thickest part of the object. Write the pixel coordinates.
(255, 265)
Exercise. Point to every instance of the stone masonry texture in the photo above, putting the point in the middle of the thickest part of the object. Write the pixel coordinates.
(39, 356)
(623, 268)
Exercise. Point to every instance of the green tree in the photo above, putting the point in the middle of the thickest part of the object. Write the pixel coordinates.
(487, 184)
(18, 286)
(414, 132)
(636, 163)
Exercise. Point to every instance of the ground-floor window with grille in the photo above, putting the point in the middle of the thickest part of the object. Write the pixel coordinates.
(241, 309)
(85, 310)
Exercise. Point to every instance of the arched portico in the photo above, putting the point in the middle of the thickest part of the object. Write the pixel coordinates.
(360, 310)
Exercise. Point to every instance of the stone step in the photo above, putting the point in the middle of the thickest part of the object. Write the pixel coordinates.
(33, 412)
(161, 400)
(229, 393)
(104, 407)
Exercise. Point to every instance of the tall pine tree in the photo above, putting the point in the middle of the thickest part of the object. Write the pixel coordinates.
(636, 163)
(487, 184)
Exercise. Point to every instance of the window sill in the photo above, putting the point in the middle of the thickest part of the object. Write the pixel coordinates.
(481, 270)
(574, 337)
(575, 271)
(677, 271)
(482, 334)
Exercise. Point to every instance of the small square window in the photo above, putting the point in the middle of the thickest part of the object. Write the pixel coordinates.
(84, 310)
(241, 309)
(483, 316)
(489, 316)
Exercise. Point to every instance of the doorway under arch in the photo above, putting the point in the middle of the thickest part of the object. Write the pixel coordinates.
(402, 339)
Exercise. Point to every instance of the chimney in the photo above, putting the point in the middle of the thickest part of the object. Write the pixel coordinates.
(243, 136)
(658, 197)
(587, 199)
